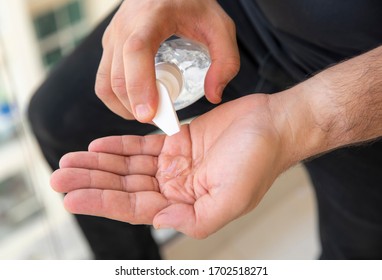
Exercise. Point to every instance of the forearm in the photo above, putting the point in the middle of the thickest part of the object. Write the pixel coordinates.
(340, 106)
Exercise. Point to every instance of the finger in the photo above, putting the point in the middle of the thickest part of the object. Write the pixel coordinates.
(138, 58)
(103, 88)
(69, 179)
(134, 208)
(182, 218)
(118, 80)
(199, 220)
(218, 33)
(129, 145)
(120, 165)
(225, 64)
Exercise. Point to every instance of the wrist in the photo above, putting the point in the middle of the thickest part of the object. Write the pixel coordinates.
(300, 118)
(340, 106)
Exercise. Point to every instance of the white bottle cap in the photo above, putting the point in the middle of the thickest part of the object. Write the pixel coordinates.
(169, 84)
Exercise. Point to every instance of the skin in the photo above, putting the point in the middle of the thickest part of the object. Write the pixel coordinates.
(219, 167)
(185, 181)
(126, 76)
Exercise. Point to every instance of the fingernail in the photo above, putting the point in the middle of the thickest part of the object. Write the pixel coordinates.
(142, 112)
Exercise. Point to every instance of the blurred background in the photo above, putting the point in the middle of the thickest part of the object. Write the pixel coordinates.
(34, 36)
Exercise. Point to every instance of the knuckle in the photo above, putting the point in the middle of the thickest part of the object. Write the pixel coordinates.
(230, 63)
(106, 37)
(136, 88)
(231, 26)
(118, 84)
(135, 42)
(233, 65)
(101, 87)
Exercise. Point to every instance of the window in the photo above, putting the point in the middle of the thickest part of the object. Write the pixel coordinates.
(52, 57)
(74, 12)
(59, 30)
(45, 25)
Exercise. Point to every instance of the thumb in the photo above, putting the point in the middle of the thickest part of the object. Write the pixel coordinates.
(182, 218)
(199, 220)
(225, 64)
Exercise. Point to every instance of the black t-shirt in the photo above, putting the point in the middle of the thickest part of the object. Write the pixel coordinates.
(305, 36)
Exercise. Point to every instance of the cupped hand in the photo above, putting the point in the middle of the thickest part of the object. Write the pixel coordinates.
(214, 170)
(125, 79)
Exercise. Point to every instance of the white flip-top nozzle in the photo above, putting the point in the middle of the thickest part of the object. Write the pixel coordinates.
(169, 84)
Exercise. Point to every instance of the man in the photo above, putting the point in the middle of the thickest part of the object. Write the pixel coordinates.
(220, 166)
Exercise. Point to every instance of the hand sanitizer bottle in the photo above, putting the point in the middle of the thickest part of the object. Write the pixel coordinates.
(181, 66)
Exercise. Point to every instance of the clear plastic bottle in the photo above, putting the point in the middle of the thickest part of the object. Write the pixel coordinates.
(191, 61)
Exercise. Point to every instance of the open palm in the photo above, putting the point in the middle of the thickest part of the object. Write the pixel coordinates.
(215, 170)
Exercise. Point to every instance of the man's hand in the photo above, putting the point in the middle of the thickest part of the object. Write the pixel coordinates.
(221, 165)
(215, 170)
(126, 76)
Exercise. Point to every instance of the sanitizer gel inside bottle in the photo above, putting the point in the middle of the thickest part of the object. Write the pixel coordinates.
(193, 61)
(180, 68)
